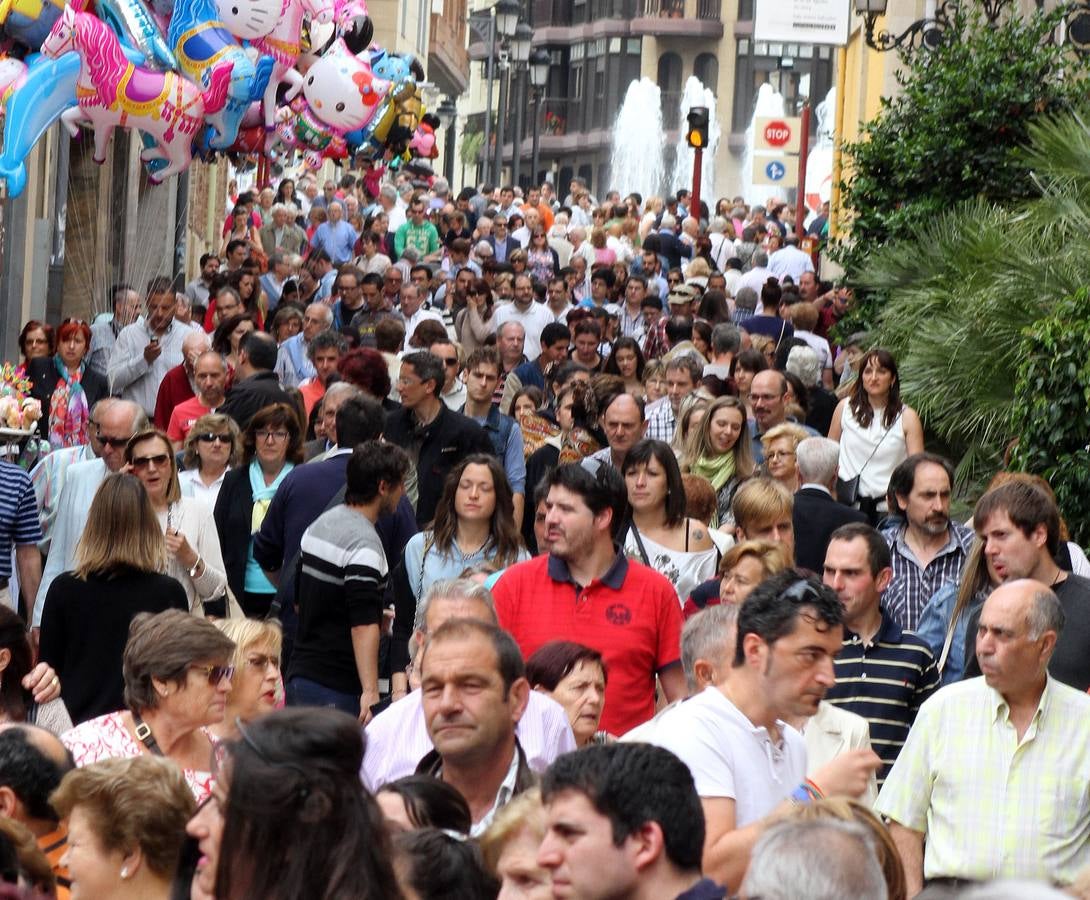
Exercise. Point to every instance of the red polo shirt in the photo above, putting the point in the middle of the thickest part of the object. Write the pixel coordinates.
(630, 615)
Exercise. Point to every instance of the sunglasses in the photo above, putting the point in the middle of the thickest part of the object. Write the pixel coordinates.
(453, 363)
(263, 661)
(211, 437)
(107, 441)
(159, 460)
(215, 674)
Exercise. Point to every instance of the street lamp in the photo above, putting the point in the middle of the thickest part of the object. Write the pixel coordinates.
(447, 114)
(520, 43)
(539, 76)
(926, 33)
(520, 55)
(507, 17)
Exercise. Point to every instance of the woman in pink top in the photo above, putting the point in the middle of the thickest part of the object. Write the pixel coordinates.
(177, 678)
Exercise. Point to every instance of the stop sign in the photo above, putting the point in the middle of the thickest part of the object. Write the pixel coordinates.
(777, 133)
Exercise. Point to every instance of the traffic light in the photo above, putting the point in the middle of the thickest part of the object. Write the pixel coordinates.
(697, 134)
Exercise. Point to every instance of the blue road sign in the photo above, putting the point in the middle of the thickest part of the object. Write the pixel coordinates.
(775, 171)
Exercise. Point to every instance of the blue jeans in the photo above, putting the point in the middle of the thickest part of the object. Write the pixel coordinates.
(304, 692)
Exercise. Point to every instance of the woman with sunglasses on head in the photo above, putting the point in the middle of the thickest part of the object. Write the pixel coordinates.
(121, 556)
(193, 547)
(475, 324)
(177, 676)
(212, 446)
(66, 388)
(272, 446)
(289, 818)
(256, 688)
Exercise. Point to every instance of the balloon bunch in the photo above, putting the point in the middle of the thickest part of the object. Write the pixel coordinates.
(197, 77)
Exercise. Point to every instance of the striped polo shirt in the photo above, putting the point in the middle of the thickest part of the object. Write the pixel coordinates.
(885, 682)
(18, 514)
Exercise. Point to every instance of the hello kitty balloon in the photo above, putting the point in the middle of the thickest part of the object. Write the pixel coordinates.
(340, 94)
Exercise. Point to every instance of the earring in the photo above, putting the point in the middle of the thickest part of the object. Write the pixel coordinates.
(124, 871)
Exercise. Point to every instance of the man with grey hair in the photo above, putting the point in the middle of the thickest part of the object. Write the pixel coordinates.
(282, 235)
(991, 782)
(293, 365)
(819, 859)
(817, 513)
(707, 645)
(397, 738)
(756, 276)
(726, 341)
(117, 422)
(745, 305)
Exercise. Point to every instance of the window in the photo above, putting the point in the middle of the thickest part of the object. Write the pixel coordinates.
(706, 69)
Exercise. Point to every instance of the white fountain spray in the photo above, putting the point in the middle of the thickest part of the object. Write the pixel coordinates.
(695, 94)
(769, 103)
(636, 158)
(819, 162)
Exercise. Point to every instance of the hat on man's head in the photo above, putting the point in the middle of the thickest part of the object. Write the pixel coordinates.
(681, 294)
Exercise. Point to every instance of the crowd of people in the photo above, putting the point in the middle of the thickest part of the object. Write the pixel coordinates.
(510, 545)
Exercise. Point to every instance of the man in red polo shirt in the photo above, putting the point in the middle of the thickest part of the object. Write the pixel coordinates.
(585, 590)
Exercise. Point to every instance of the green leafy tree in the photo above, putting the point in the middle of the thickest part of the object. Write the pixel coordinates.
(1052, 397)
(951, 134)
(990, 349)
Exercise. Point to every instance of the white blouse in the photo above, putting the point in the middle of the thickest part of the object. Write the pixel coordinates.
(193, 518)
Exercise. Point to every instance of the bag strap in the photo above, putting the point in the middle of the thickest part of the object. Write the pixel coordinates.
(639, 543)
(875, 450)
(429, 541)
(144, 735)
(947, 644)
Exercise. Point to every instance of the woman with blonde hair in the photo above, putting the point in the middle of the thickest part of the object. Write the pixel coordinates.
(779, 444)
(193, 547)
(510, 847)
(120, 560)
(212, 446)
(844, 810)
(257, 688)
(126, 826)
(720, 450)
(743, 567)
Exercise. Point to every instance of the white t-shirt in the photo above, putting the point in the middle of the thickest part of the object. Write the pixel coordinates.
(533, 320)
(730, 757)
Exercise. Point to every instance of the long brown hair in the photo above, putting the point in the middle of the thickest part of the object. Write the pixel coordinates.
(860, 402)
(122, 530)
(504, 541)
(699, 443)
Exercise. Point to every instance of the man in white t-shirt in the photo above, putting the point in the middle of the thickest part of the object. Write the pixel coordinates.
(748, 764)
(527, 312)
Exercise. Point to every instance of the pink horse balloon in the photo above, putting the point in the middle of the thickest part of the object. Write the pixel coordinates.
(111, 91)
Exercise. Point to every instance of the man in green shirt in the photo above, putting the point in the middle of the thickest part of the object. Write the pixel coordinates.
(417, 233)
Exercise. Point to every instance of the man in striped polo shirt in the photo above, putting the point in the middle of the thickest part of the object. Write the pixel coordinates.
(882, 672)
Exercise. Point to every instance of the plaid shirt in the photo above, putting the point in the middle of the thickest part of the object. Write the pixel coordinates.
(633, 326)
(661, 424)
(913, 585)
(991, 805)
(655, 344)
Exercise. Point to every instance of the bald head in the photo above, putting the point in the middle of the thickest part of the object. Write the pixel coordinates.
(1016, 636)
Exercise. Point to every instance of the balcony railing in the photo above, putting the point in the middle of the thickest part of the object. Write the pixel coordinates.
(680, 9)
(679, 18)
(555, 118)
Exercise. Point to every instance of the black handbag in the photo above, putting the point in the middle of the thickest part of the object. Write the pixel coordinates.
(847, 490)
